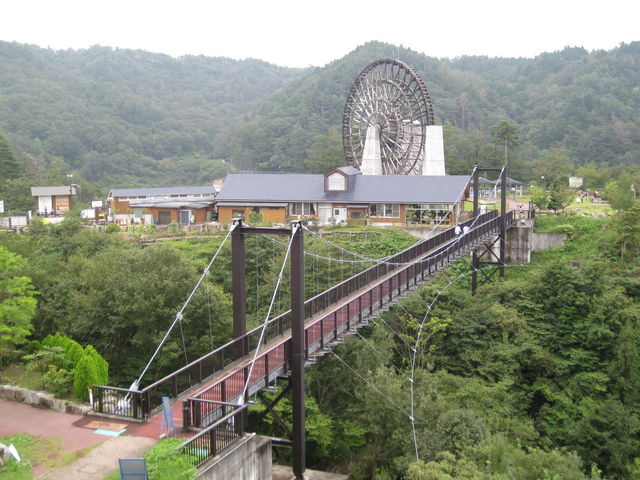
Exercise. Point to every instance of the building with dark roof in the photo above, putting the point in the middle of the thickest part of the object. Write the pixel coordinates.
(162, 205)
(53, 200)
(342, 195)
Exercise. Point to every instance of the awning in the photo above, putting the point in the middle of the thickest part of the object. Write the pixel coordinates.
(194, 205)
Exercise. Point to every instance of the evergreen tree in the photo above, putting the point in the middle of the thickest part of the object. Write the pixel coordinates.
(9, 164)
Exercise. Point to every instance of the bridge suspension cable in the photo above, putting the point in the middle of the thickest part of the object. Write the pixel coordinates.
(266, 320)
(179, 315)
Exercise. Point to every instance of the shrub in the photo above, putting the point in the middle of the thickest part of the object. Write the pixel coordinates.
(166, 461)
(57, 380)
(90, 370)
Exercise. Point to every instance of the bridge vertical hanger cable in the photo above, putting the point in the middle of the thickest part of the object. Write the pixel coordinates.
(257, 254)
(210, 323)
(266, 320)
(369, 384)
(136, 383)
(419, 335)
(383, 259)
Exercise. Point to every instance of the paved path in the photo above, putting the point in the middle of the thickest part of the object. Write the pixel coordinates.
(102, 460)
(20, 418)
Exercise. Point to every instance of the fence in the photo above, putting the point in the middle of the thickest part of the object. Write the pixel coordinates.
(273, 360)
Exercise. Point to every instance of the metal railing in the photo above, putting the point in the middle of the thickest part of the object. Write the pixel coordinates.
(216, 437)
(273, 360)
(326, 328)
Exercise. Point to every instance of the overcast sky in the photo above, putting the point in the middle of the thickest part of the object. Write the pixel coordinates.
(302, 33)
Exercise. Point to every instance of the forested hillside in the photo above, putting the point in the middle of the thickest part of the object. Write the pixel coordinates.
(122, 117)
(127, 117)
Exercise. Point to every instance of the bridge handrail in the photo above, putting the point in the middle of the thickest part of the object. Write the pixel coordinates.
(213, 439)
(237, 341)
(340, 291)
(437, 256)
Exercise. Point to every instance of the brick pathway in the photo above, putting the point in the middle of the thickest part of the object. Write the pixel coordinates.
(97, 464)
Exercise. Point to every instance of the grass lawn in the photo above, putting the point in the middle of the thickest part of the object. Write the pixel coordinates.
(16, 374)
(36, 451)
(590, 208)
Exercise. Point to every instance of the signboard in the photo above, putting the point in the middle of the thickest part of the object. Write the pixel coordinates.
(133, 469)
(18, 221)
(62, 204)
(1, 206)
(96, 203)
(575, 182)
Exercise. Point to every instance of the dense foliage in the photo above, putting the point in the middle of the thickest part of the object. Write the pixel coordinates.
(17, 303)
(131, 118)
(119, 295)
(536, 377)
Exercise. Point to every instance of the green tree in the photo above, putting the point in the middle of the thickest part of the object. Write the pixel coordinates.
(17, 303)
(627, 226)
(620, 194)
(560, 197)
(539, 197)
(10, 167)
(505, 133)
(325, 153)
(16, 193)
(122, 300)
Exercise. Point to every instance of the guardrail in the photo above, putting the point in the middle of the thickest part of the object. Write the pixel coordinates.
(218, 436)
(327, 328)
(140, 404)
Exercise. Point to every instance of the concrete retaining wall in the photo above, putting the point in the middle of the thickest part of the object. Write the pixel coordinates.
(425, 232)
(545, 241)
(41, 399)
(249, 460)
(518, 245)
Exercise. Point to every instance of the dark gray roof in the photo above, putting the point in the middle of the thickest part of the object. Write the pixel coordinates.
(126, 192)
(265, 187)
(57, 190)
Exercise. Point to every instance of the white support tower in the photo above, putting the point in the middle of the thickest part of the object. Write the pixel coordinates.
(433, 159)
(372, 154)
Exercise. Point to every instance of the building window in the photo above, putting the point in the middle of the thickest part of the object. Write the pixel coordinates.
(302, 208)
(237, 213)
(384, 210)
(337, 181)
(357, 214)
(427, 212)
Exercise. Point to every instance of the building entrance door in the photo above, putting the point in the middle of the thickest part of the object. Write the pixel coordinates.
(324, 213)
(340, 214)
(185, 217)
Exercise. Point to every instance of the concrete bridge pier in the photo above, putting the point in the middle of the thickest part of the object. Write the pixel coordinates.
(519, 243)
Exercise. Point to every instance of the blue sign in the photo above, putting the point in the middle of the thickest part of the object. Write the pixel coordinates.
(133, 469)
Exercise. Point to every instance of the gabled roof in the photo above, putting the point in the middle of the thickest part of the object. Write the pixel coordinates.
(128, 192)
(49, 191)
(349, 170)
(266, 187)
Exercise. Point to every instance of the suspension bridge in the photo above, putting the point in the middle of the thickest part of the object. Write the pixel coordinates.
(210, 395)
